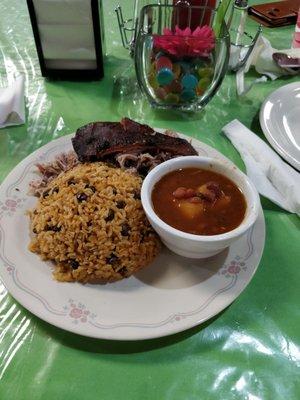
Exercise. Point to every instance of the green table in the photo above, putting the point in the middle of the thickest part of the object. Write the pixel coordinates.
(249, 351)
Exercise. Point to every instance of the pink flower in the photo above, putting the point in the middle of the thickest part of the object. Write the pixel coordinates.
(76, 313)
(185, 43)
(11, 203)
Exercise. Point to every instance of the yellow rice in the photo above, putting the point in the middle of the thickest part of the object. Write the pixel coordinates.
(91, 224)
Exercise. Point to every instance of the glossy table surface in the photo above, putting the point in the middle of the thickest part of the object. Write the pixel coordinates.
(249, 351)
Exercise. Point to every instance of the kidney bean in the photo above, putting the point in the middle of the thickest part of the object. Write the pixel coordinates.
(125, 229)
(112, 259)
(74, 264)
(214, 187)
(191, 193)
(194, 199)
(81, 197)
(121, 204)
(184, 193)
(110, 215)
(180, 193)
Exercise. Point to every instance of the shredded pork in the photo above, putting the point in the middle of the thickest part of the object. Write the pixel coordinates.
(48, 171)
(134, 163)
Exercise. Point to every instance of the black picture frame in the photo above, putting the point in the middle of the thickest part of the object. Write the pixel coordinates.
(68, 74)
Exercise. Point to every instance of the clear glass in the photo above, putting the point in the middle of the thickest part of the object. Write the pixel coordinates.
(191, 73)
(242, 36)
(239, 53)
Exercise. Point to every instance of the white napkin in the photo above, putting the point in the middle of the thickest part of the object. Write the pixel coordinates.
(66, 32)
(272, 177)
(67, 42)
(12, 105)
(63, 12)
(261, 59)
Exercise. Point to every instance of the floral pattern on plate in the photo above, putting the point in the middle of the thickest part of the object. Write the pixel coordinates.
(125, 310)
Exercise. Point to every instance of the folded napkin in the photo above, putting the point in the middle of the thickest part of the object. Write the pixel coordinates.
(66, 32)
(12, 105)
(272, 177)
(77, 42)
(261, 59)
(63, 12)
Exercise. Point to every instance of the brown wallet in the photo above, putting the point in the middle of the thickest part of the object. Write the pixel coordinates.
(275, 14)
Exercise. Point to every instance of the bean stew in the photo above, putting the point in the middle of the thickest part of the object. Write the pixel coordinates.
(199, 201)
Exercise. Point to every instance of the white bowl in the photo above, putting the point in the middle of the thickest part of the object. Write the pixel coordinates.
(187, 244)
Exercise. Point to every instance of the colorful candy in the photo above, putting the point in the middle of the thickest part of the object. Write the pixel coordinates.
(205, 72)
(164, 73)
(175, 81)
(204, 83)
(176, 70)
(189, 81)
(160, 93)
(164, 76)
(152, 80)
(163, 62)
(172, 98)
(199, 91)
(188, 94)
(174, 87)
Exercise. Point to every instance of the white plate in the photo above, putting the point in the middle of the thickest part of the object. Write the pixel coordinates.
(280, 122)
(169, 296)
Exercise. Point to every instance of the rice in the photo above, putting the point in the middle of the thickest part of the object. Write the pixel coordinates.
(91, 224)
